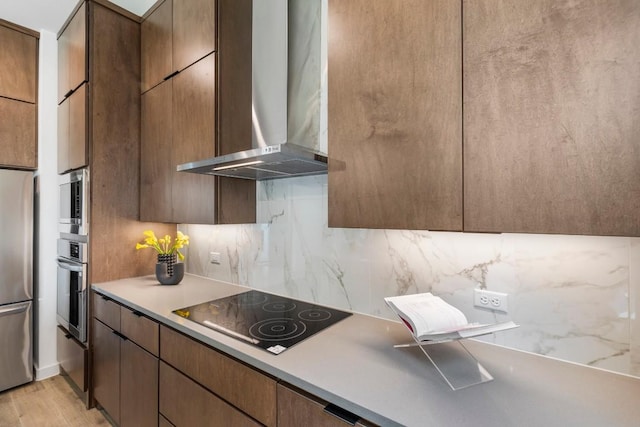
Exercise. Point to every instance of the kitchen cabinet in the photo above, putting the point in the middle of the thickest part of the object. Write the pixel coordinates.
(176, 34)
(248, 390)
(99, 128)
(177, 127)
(18, 139)
(72, 52)
(297, 408)
(72, 131)
(551, 97)
(18, 62)
(125, 363)
(72, 357)
(394, 114)
(18, 96)
(201, 111)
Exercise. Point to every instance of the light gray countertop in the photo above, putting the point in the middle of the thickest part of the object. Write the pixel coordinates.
(354, 365)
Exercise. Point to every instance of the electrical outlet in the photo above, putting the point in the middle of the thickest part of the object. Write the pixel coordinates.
(214, 257)
(490, 300)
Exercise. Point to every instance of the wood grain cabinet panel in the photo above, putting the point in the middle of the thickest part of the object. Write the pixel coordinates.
(296, 408)
(551, 102)
(394, 115)
(156, 164)
(72, 53)
(194, 134)
(156, 39)
(245, 388)
(140, 329)
(186, 403)
(107, 311)
(138, 385)
(176, 34)
(178, 125)
(18, 65)
(194, 31)
(72, 131)
(106, 369)
(18, 139)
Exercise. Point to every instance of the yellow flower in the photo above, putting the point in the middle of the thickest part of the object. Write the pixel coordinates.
(163, 245)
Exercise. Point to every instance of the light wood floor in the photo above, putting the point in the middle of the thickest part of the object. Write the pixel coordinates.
(47, 403)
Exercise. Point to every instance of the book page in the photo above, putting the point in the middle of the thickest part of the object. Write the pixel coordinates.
(427, 313)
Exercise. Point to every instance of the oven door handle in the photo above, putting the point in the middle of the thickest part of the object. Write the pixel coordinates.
(72, 266)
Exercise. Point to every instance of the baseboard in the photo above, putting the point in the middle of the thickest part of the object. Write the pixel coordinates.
(47, 371)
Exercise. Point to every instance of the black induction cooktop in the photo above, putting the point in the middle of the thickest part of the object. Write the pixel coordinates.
(271, 322)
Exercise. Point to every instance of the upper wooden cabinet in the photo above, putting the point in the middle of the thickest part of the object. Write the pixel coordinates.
(178, 126)
(202, 111)
(18, 96)
(18, 63)
(395, 119)
(176, 34)
(72, 131)
(551, 105)
(72, 53)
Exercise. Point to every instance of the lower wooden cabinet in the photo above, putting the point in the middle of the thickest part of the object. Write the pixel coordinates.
(297, 408)
(247, 389)
(186, 403)
(125, 375)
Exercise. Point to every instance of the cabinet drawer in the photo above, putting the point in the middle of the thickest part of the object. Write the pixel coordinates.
(72, 357)
(140, 329)
(296, 408)
(185, 403)
(244, 387)
(107, 311)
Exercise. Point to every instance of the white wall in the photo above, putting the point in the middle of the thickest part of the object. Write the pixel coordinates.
(45, 359)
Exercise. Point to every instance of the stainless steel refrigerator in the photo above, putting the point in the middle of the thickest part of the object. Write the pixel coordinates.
(16, 277)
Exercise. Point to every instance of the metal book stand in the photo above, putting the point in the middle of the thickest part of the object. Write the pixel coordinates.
(454, 362)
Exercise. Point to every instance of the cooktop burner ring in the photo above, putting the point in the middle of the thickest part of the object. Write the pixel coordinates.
(279, 329)
(250, 299)
(279, 306)
(314, 315)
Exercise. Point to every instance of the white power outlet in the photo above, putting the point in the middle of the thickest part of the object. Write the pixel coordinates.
(490, 300)
(214, 257)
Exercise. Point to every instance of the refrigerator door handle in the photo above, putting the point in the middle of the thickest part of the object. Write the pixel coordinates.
(70, 266)
(13, 309)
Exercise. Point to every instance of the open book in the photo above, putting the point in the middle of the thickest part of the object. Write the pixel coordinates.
(429, 318)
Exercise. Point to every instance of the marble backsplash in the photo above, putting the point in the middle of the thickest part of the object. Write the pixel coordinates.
(575, 297)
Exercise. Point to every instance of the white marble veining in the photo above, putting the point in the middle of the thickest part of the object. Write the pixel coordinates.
(575, 297)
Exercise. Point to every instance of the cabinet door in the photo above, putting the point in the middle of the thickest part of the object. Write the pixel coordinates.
(551, 101)
(156, 42)
(72, 58)
(245, 388)
(139, 387)
(18, 143)
(194, 133)
(194, 31)
(296, 409)
(106, 369)
(18, 65)
(185, 403)
(72, 357)
(156, 165)
(394, 116)
(72, 131)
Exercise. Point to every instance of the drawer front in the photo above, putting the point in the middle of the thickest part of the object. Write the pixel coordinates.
(140, 329)
(297, 408)
(107, 311)
(244, 387)
(72, 357)
(185, 403)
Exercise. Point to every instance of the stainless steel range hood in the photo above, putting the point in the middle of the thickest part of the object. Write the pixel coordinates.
(288, 60)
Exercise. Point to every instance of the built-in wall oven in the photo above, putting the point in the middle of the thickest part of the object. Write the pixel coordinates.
(73, 253)
(72, 287)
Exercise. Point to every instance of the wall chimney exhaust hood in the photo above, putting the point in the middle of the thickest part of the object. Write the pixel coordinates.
(288, 95)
